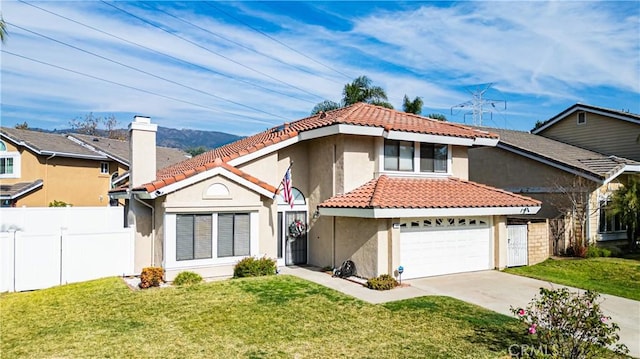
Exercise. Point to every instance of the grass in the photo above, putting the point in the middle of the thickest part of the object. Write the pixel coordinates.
(269, 317)
(615, 276)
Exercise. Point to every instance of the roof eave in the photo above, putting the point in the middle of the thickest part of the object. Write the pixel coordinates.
(427, 212)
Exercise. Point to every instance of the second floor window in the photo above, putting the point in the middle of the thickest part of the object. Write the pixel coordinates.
(6, 166)
(401, 156)
(104, 167)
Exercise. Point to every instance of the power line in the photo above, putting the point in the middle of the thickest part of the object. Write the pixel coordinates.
(241, 45)
(126, 86)
(209, 50)
(278, 41)
(166, 55)
(146, 72)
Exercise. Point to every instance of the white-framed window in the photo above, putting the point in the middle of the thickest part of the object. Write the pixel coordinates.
(104, 168)
(582, 118)
(609, 222)
(9, 164)
(417, 157)
(209, 238)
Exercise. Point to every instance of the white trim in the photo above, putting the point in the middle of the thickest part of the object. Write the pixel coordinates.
(24, 191)
(632, 168)
(426, 212)
(550, 163)
(263, 151)
(483, 141)
(421, 137)
(206, 175)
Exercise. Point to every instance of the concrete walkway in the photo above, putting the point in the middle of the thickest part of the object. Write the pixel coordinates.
(493, 290)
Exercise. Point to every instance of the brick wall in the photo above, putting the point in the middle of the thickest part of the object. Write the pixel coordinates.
(538, 241)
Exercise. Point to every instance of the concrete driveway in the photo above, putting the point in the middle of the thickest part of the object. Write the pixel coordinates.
(497, 291)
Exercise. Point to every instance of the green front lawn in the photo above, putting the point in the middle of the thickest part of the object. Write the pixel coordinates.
(615, 276)
(269, 317)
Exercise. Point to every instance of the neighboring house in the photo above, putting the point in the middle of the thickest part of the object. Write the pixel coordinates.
(557, 174)
(602, 130)
(377, 186)
(37, 168)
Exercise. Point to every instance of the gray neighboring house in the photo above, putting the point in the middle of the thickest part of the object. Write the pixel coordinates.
(546, 169)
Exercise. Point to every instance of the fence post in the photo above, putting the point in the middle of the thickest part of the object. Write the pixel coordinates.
(62, 230)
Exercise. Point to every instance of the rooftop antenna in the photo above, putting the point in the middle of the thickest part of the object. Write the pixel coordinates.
(479, 105)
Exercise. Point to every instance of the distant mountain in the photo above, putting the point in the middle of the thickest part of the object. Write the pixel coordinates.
(171, 137)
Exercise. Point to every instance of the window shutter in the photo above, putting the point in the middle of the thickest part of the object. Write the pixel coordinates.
(202, 238)
(184, 237)
(225, 235)
(242, 234)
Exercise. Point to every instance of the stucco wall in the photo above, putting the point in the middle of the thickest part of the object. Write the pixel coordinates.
(357, 239)
(500, 241)
(460, 162)
(358, 161)
(538, 241)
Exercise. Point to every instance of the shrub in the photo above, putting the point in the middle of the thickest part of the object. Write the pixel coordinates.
(595, 251)
(151, 277)
(383, 282)
(254, 267)
(569, 325)
(57, 203)
(187, 278)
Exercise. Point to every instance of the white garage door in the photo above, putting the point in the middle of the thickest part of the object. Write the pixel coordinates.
(435, 246)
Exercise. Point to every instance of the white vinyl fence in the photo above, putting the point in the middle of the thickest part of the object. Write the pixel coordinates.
(45, 247)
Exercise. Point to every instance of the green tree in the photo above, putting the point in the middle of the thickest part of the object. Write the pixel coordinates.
(324, 106)
(3, 30)
(414, 106)
(22, 126)
(363, 90)
(359, 90)
(437, 116)
(626, 203)
(194, 151)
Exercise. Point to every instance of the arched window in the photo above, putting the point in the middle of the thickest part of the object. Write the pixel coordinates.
(298, 198)
(3, 147)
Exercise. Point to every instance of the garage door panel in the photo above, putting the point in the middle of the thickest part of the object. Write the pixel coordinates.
(431, 252)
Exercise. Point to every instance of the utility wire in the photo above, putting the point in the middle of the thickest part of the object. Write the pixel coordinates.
(129, 87)
(167, 55)
(145, 72)
(278, 41)
(209, 50)
(241, 45)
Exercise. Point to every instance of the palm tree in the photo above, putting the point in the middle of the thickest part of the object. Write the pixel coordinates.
(414, 106)
(626, 203)
(3, 29)
(362, 90)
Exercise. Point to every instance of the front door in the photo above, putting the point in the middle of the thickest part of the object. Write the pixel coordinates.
(295, 239)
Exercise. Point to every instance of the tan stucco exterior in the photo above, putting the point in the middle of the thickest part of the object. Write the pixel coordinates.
(321, 168)
(75, 181)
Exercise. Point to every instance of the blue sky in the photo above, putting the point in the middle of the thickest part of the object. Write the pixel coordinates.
(242, 67)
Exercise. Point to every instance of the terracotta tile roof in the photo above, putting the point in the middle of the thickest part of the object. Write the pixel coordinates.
(404, 192)
(360, 114)
(167, 180)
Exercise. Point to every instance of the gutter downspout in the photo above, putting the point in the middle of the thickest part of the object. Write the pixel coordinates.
(153, 228)
(46, 176)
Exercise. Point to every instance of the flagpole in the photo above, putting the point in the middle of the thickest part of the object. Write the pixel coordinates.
(280, 185)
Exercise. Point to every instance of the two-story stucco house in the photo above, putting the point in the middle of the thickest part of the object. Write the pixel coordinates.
(37, 168)
(377, 186)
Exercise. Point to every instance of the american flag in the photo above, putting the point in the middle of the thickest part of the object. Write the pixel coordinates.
(287, 190)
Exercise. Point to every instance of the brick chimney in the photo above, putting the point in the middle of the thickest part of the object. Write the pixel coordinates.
(142, 151)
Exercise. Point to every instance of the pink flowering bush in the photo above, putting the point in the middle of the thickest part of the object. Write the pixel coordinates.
(568, 325)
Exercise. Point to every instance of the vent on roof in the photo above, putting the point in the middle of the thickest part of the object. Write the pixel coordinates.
(282, 127)
(95, 139)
